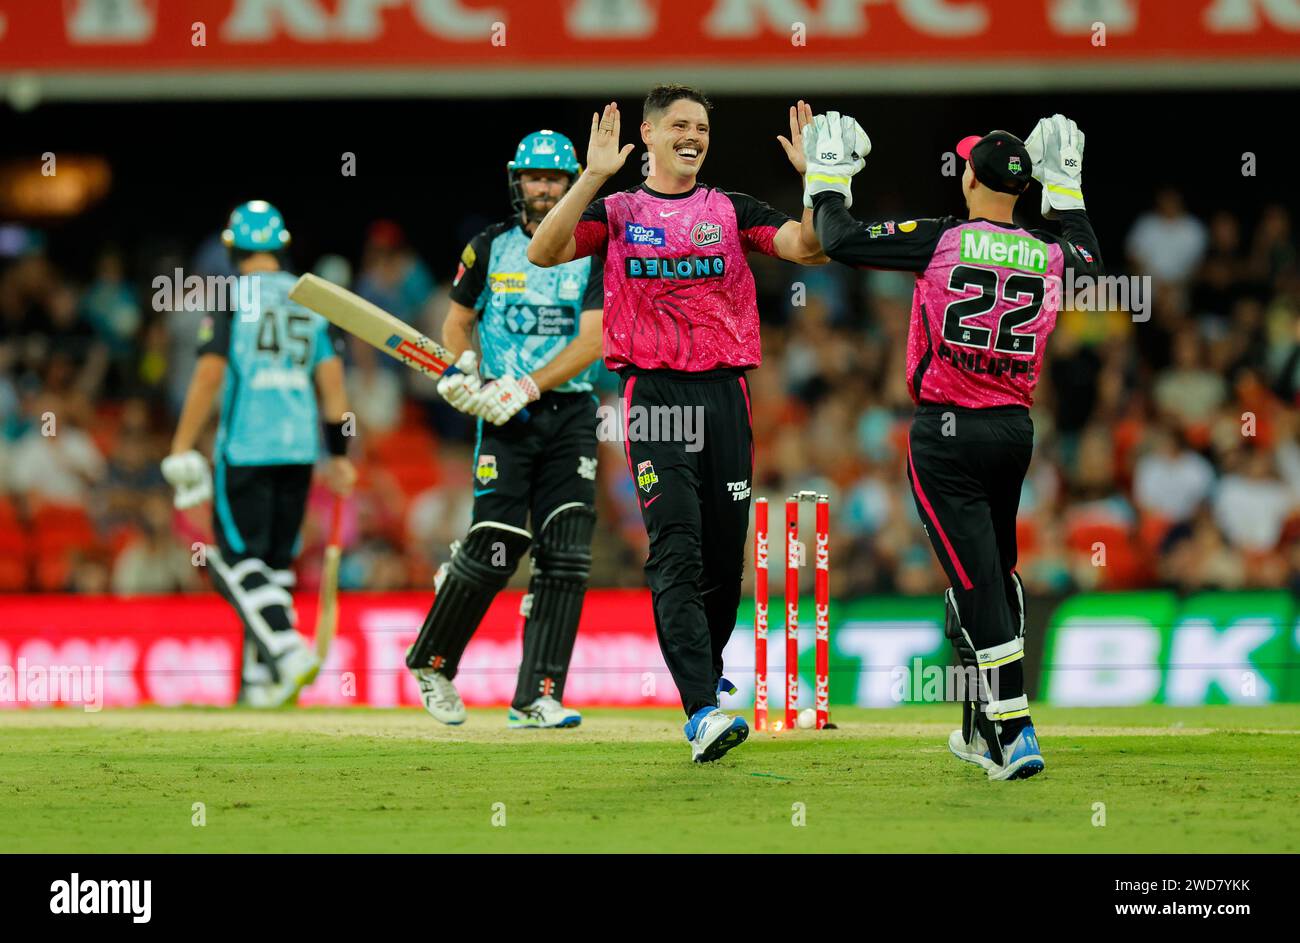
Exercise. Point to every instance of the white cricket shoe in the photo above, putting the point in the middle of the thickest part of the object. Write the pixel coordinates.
(255, 682)
(544, 713)
(297, 666)
(439, 696)
(976, 751)
(712, 733)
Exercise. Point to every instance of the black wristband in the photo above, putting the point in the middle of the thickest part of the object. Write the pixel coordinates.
(336, 443)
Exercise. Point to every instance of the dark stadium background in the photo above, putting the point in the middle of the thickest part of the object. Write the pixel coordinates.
(437, 166)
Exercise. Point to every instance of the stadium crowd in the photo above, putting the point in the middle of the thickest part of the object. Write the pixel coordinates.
(1168, 441)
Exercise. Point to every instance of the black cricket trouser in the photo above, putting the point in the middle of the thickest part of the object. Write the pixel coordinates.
(257, 513)
(690, 449)
(538, 465)
(966, 468)
(543, 468)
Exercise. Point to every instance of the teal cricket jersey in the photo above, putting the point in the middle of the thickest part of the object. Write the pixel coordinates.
(269, 414)
(527, 314)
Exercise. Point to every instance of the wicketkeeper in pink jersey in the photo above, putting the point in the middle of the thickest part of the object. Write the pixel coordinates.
(986, 299)
(681, 328)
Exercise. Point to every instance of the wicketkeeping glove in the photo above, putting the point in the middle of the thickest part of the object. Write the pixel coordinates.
(458, 388)
(835, 148)
(500, 400)
(1056, 148)
(188, 473)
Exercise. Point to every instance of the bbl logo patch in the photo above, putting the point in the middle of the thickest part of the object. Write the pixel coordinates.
(646, 477)
(1013, 165)
(706, 234)
(876, 230)
(487, 469)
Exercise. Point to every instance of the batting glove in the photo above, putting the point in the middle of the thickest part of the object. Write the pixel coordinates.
(188, 473)
(1056, 148)
(459, 387)
(835, 148)
(500, 400)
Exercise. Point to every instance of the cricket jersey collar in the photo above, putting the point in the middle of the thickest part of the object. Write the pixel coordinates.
(994, 222)
(672, 196)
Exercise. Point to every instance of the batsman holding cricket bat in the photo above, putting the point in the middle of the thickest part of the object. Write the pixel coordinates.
(269, 359)
(540, 333)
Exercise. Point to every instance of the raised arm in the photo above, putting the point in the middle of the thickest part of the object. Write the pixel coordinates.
(905, 245)
(553, 243)
(798, 242)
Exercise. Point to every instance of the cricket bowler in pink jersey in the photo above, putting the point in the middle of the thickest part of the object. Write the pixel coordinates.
(986, 299)
(681, 328)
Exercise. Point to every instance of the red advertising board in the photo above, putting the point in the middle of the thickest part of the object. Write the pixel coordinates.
(207, 36)
(172, 650)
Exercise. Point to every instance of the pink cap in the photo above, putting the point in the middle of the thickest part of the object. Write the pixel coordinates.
(965, 144)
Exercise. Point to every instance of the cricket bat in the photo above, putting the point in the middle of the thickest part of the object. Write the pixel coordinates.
(372, 324)
(327, 608)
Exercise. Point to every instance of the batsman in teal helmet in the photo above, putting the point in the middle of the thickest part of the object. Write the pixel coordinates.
(275, 368)
(538, 335)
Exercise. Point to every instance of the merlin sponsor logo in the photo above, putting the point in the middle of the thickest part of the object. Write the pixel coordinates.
(1003, 248)
(684, 268)
(639, 235)
(706, 234)
(76, 896)
(507, 283)
(978, 361)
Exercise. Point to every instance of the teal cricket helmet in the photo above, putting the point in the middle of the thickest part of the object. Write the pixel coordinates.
(256, 226)
(541, 150)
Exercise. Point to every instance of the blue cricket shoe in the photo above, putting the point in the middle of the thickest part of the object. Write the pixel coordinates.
(1023, 758)
(712, 733)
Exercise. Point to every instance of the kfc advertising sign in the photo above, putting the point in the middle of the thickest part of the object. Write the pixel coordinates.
(470, 40)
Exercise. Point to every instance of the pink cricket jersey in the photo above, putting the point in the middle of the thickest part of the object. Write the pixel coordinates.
(679, 294)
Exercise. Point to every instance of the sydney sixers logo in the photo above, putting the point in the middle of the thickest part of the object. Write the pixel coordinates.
(706, 234)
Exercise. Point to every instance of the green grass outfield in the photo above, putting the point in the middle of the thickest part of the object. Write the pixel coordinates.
(1172, 780)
